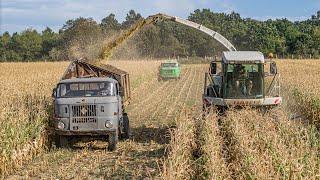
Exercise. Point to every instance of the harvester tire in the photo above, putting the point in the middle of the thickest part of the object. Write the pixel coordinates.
(205, 111)
(221, 109)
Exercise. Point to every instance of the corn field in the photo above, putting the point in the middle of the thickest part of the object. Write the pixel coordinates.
(171, 139)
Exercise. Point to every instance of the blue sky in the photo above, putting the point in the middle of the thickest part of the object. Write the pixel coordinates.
(17, 15)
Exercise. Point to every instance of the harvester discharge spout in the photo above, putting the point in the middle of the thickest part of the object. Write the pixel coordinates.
(110, 47)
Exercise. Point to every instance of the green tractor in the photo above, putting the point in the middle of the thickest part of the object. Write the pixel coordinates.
(169, 70)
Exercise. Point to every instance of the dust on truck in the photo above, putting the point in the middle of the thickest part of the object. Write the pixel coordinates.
(90, 100)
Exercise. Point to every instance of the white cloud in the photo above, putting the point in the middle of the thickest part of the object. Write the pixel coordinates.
(180, 6)
(293, 18)
(20, 28)
(16, 15)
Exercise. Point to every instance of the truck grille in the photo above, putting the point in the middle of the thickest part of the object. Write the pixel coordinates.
(169, 71)
(84, 120)
(84, 111)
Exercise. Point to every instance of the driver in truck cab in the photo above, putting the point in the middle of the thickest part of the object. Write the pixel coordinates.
(243, 85)
(106, 89)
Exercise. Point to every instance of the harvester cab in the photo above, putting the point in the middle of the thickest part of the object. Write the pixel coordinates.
(245, 79)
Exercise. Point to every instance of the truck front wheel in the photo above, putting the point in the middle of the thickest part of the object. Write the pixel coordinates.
(112, 141)
(62, 141)
(126, 127)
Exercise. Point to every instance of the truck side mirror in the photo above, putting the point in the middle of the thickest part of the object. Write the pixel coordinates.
(273, 68)
(213, 68)
(54, 92)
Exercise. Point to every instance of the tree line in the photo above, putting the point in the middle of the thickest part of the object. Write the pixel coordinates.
(85, 37)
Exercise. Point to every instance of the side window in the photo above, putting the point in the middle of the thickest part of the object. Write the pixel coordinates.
(115, 89)
(62, 90)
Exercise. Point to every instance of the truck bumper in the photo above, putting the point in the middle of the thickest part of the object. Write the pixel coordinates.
(84, 133)
(169, 77)
(268, 101)
(95, 128)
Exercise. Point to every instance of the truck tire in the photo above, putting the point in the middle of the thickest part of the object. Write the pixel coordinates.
(112, 141)
(62, 141)
(205, 111)
(126, 127)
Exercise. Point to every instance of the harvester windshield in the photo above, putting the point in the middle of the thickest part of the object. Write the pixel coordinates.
(243, 81)
(169, 65)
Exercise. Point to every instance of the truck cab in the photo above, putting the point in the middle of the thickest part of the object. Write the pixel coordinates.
(169, 70)
(88, 105)
(243, 80)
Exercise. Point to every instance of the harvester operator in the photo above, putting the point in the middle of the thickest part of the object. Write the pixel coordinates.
(243, 85)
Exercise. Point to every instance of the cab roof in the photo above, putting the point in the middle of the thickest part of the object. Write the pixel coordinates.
(242, 57)
(87, 80)
(170, 61)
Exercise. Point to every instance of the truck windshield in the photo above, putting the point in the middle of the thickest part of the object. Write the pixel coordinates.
(86, 89)
(169, 65)
(243, 81)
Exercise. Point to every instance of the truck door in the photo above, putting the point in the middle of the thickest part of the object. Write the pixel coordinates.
(119, 101)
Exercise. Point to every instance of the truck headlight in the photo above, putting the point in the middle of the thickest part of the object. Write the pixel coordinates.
(60, 125)
(108, 124)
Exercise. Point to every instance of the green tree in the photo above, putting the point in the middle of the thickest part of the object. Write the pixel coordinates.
(50, 40)
(84, 37)
(26, 46)
(316, 42)
(4, 46)
(110, 23)
(149, 41)
(81, 37)
(131, 18)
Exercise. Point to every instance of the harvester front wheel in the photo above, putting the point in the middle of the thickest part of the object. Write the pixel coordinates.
(205, 110)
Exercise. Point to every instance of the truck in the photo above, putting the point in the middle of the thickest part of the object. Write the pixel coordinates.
(169, 69)
(245, 78)
(90, 100)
